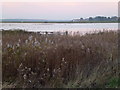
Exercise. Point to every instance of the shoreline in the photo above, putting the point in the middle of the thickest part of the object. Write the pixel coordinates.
(64, 32)
(59, 22)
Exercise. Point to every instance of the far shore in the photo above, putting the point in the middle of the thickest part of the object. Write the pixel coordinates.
(63, 22)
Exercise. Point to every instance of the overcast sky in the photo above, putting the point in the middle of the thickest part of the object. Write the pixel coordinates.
(57, 10)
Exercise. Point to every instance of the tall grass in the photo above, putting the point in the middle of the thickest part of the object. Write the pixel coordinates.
(33, 60)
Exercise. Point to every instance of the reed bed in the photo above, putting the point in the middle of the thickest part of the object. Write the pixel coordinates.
(31, 60)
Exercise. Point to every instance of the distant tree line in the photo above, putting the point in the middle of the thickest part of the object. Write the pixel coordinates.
(98, 19)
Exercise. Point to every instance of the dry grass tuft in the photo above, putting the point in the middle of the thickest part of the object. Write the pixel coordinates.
(34, 60)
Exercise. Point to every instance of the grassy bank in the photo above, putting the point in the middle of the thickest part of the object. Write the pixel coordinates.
(34, 60)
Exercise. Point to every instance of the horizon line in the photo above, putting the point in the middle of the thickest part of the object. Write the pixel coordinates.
(65, 19)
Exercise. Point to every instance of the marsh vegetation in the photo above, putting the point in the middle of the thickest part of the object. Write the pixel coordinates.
(33, 60)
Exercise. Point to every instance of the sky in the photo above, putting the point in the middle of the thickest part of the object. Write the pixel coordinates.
(58, 10)
(59, 0)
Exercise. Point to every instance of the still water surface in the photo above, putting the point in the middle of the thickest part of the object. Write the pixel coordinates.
(81, 27)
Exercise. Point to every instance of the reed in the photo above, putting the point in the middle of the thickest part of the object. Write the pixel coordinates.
(33, 60)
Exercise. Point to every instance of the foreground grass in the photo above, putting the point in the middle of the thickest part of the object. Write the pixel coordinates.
(33, 60)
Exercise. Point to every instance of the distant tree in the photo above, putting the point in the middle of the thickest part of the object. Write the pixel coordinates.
(81, 19)
(118, 19)
(91, 19)
(108, 17)
(114, 18)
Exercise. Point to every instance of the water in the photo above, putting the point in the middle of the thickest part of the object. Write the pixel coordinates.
(81, 27)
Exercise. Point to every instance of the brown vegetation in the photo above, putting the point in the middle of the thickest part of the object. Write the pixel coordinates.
(34, 60)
